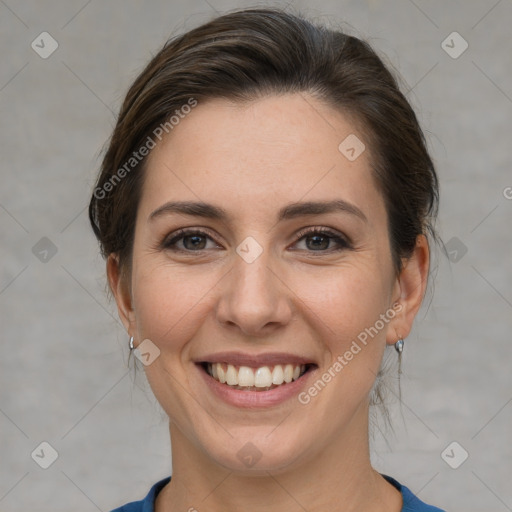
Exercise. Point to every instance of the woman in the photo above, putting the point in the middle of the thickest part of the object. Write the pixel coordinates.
(264, 208)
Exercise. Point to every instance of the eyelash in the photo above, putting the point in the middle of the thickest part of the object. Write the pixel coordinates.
(343, 243)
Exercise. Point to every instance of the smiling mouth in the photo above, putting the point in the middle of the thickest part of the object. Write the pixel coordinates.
(263, 378)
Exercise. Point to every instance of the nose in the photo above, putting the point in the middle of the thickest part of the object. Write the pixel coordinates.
(254, 298)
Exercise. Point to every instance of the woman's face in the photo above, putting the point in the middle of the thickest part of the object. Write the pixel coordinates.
(257, 292)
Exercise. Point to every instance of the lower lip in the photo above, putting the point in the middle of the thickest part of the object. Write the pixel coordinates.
(240, 398)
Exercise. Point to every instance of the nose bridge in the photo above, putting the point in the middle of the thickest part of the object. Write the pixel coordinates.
(253, 297)
(252, 273)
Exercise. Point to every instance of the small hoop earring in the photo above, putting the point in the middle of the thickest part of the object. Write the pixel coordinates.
(130, 344)
(399, 347)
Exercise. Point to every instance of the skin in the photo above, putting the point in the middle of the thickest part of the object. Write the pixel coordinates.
(252, 159)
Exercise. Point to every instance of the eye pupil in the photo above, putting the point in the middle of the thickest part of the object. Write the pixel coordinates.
(195, 245)
(321, 246)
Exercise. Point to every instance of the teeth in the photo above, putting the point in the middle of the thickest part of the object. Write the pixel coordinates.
(278, 375)
(231, 376)
(221, 374)
(262, 377)
(245, 376)
(288, 373)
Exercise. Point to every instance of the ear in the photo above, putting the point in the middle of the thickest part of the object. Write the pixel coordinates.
(121, 292)
(409, 290)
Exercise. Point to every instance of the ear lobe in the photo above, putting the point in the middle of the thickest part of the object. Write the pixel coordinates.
(409, 290)
(121, 293)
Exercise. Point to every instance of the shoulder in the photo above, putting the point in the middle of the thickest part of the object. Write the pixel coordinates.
(411, 503)
(148, 503)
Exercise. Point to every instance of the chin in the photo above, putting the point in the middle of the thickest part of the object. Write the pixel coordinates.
(258, 452)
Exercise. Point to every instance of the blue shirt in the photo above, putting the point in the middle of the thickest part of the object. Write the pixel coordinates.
(410, 502)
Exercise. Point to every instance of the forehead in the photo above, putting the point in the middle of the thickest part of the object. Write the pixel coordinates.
(260, 154)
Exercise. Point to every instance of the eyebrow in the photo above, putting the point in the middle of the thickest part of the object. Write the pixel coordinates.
(290, 211)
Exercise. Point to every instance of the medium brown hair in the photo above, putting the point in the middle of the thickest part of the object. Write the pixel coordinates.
(251, 53)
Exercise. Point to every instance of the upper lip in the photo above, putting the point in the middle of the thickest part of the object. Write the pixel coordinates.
(254, 360)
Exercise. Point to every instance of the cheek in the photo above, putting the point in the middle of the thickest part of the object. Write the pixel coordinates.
(168, 302)
(170, 306)
(346, 299)
(345, 305)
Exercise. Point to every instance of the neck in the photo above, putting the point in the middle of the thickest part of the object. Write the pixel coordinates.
(339, 477)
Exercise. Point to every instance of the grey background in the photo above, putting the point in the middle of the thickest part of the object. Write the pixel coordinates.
(64, 377)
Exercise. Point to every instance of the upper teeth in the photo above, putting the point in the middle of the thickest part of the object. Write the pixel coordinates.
(261, 377)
